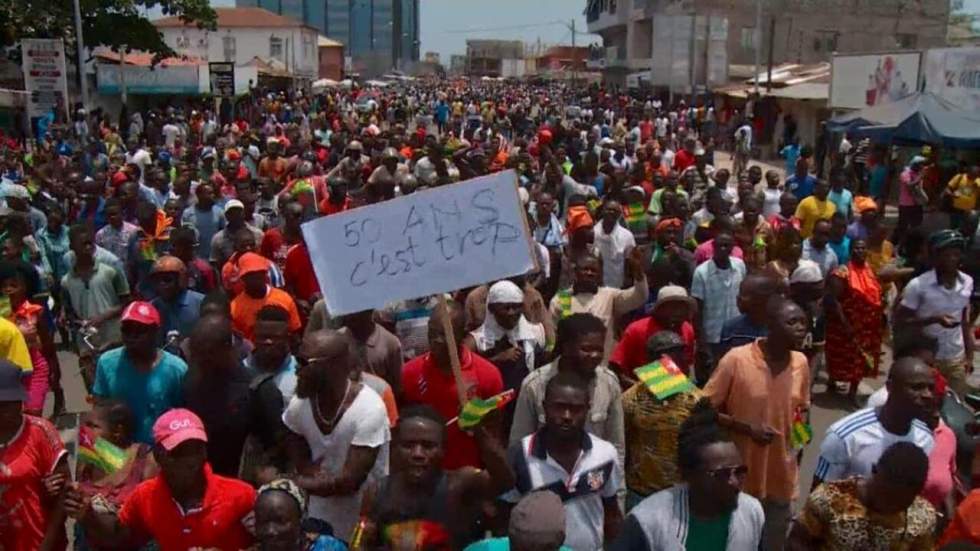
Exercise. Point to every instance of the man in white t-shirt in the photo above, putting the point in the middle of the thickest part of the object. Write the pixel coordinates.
(614, 244)
(339, 431)
(137, 155)
(854, 444)
(939, 302)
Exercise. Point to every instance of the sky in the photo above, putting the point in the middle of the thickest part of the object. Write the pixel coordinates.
(525, 20)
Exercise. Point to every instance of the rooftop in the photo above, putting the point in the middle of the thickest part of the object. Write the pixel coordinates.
(237, 17)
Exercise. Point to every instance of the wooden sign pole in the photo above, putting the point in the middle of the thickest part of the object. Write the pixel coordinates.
(447, 328)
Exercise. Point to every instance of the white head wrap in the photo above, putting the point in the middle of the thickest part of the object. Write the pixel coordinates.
(525, 335)
(807, 271)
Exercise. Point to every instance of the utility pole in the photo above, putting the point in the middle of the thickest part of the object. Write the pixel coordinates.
(122, 73)
(772, 39)
(574, 55)
(80, 46)
(758, 44)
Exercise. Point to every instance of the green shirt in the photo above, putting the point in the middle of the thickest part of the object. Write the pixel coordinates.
(708, 535)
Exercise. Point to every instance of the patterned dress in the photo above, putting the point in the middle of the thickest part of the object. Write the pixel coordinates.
(835, 515)
(853, 356)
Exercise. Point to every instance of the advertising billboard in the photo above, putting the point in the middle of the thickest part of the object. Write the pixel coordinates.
(954, 75)
(863, 80)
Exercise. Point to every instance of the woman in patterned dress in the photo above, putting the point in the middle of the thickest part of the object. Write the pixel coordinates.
(854, 317)
(881, 513)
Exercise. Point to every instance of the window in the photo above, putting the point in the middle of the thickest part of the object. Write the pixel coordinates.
(906, 40)
(748, 38)
(275, 48)
(228, 45)
(825, 41)
(308, 47)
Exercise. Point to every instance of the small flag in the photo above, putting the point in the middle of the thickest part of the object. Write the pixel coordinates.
(476, 409)
(635, 217)
(663, 378)
(759, 242)
(99, 452)
(801, 432)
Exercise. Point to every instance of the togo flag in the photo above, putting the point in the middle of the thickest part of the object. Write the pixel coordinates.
(477, 408)
(801, 432)
(663, 378)
(99, 452)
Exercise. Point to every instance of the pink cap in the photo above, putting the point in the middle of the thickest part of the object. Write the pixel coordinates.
(141, 312)
(177, 426)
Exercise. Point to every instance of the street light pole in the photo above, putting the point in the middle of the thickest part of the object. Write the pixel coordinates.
(80, 46)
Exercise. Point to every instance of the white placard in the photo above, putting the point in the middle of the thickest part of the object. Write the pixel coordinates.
(45, 77)
(954, 75)
(862, 80)
(429, 242)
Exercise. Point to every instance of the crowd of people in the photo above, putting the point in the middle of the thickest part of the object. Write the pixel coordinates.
(651, 383)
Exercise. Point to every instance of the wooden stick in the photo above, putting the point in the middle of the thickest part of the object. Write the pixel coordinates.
(447, 328)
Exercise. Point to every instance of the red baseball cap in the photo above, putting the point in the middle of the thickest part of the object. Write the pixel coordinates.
(141, 312)
(177, 426)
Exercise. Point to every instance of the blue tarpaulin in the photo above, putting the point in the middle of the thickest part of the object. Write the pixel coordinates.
(920, 117)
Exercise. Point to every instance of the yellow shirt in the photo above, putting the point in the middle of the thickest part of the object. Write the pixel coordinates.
(13, 347)
(964, 192)
(812, 209)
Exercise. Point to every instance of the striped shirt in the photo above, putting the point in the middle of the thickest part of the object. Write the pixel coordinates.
(855, 443)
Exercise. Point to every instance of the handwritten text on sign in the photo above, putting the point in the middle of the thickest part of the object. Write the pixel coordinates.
(425, 243)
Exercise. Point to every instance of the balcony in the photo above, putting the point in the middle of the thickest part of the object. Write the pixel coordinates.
(607, 58)
(602, 15)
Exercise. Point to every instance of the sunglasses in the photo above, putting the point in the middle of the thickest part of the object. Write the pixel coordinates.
(725, 474)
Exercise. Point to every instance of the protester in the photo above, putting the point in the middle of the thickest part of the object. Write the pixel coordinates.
(280, 507)
(428, 380)
(253, 270)
(421, 502)
(855, 443)
(715, 288)
(939, 300)
(178, 306)
(147, 379)
(883, 508)
(761, 389)
(854, 322)
(564, 452)
(708, 510)
(673, 311)
(579, 350)
(338, 439)
(536, 523)
(158, 509)
(587, 295)
(35, 470)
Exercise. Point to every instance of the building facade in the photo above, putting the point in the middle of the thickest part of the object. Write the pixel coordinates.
(243, 34)
(379, 35)
(493, 58)
(797, 31)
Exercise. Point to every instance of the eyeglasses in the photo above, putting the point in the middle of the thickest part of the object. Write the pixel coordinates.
(725, 474)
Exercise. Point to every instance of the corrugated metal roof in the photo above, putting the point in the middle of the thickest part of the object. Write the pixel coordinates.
(806, 90)
(324, 41)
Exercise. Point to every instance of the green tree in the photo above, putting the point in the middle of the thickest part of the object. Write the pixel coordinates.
(112, 23)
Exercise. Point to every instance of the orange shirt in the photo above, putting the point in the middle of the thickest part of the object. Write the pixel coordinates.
(244, 309)
(743, 386)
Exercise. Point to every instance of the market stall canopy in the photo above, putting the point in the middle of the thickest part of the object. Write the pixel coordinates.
(323, 84)
(920, 117)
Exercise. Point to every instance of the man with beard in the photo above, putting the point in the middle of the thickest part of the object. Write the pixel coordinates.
(760, 389)
(423, 503)
(564, 458)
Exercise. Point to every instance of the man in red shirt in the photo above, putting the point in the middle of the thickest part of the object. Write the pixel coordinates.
(30, 451)
(685, 158)
(277, 241)
(672, 311)
(186, 506)
(428, 379)
(300, 278)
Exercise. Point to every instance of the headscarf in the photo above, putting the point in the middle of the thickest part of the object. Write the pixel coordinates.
(578, 218)
(290, 487)
(669, 223)
(525, 335)
(863, 204)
